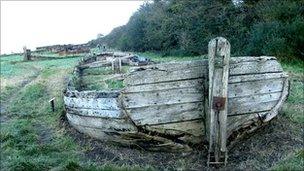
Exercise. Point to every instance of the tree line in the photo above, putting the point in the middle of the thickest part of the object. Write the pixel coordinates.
(183, 27)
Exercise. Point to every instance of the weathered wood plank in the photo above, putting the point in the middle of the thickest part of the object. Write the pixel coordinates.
(171, 66)
(166, 113)
(164, 86)
(95, 64)
(195, 128)
(96, 133)
(92, 94)
(89, 79)
(254, 87)
(192, 94)
(244, 108)
(173, 96)
(136, 139)
(254, 99)
(188, 111)
(198, 69)
(278, 106)
(115, 114)
(256, 77)
(239, 121)
(156, 75)
(198, 82)
(254, 67)
(90, 103)
(101, 123)
(240, 59)
(180, 65)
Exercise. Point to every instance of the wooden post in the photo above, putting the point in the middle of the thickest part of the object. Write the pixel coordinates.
(119, 64)
(116, 64)
(113, 64)
(28, 51)
(52, 101)
(26, 54)
(218, 54)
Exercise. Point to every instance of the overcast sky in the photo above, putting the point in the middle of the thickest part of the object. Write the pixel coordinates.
(35, 23)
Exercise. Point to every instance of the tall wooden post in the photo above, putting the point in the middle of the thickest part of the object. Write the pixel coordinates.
(218, 54)
(116, 64)
(26, 54)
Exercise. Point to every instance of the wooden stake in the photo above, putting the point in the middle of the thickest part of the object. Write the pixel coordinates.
(116, 64)
(219, 54)
(119, 64)
(26, 54)
(52, 101)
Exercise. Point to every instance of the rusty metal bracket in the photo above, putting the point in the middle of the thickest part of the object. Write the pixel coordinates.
(218, 103)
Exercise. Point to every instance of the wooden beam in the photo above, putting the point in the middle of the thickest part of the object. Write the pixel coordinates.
(219, 54)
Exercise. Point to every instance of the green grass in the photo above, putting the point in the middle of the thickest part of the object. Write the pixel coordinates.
(26, 103)
(31, 138)
(296, 92)
(294, 66)
(159, 58)
(9, 66)
(14, 66)
(98, 71)
(11, 58)
(97, 79)
(22, 137)
(7, 92)
(47, 72)
(24, 149)
(95, 82)
(115, 84)
(293, 107)
(294, 162)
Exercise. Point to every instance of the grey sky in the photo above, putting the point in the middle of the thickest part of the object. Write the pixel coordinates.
(33, 23)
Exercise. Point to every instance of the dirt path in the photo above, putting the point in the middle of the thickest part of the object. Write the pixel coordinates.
(5, 104)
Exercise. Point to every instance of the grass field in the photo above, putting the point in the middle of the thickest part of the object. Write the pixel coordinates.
(102, 78)
(35, 138)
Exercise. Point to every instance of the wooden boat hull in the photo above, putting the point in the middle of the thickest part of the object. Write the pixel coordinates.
(163, 106)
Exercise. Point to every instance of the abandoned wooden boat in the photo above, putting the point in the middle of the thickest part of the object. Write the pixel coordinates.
(164, 106)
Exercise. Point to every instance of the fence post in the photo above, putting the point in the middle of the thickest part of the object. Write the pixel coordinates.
(26, 54)
(218, 54)
(116, 64)
(52, 102)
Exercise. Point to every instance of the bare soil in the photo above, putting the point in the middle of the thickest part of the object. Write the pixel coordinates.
(259, 150)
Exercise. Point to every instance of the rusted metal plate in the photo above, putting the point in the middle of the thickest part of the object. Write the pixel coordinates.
(218, 103)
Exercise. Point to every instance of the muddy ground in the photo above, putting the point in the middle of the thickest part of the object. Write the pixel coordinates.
(259, 150)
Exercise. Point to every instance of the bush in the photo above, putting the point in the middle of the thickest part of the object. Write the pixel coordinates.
(260, 27)
(280, 32)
